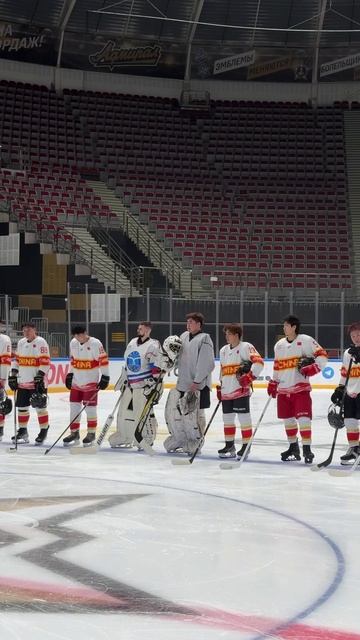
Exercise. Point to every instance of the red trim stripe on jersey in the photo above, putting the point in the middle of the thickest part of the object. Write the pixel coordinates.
(84, 364)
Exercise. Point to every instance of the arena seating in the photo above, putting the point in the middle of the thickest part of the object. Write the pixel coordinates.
(254, 193)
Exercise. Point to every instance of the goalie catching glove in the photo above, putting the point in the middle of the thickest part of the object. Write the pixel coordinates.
(308, 367)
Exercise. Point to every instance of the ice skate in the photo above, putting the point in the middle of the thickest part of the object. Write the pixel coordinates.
(228, 451)
(72, 439)
(89, 439)
(292, 453)
(22, 436)
(41, 436)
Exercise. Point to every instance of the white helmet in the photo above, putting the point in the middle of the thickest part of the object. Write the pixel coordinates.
(172, 346)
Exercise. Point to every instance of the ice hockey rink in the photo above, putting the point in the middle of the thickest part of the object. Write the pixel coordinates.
(123, 545)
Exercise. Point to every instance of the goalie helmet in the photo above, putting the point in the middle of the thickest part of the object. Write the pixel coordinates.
(38, 400)
(172, 346)
(6, 406)
(335, 417)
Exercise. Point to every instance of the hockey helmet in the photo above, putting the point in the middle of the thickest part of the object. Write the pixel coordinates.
(172, 346)
(335, 417)
(6, 406)
(243, 368)
(305, 362)
(38, 400)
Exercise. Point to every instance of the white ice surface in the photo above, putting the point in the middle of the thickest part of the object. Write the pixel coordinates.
(244, 551)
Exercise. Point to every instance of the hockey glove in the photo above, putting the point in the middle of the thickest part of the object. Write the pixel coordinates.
(355, 353)
(218, 392)
(68, 380)
(39, 382)
(246, 380)
(155, 372)
(310, 370)
(272, 388)
(243, 368)
(13, 380)
(338, 395)
(103, 382)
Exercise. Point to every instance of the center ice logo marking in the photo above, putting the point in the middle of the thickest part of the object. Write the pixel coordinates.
(133, 361)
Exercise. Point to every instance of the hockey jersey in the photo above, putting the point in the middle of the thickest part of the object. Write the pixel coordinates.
(87, 362)
(231, 358)
(5, 357)
(196, 361)
(287, 357)
(140, 358)
(30, 357)
(353, 385)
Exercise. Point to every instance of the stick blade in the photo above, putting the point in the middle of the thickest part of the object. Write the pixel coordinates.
(340, 473)
(226, 466)
(316, 467)
(180, 461)
(89, 451)
(146, 447)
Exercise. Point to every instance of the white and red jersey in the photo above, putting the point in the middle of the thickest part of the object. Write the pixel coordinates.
(231, 358)
(31, 356)
(140, 358)
(353, 385)
(5, 358)
(88, 361)
(287, 358)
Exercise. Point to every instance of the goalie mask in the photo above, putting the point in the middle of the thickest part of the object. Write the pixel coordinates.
(335, 417)
(172, 346)
(38, 400)
(6, 406)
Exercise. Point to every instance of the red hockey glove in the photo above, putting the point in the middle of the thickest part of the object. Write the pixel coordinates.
(218, 392)
(155, 372)
(246, 380)
(310, 370)
(272, 388)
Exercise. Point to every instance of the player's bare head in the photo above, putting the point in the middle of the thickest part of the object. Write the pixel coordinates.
(29, 330)
(354, 333)
(144, 329)
(291, 324)
(233, 332)
(194, 321)
(79, 333)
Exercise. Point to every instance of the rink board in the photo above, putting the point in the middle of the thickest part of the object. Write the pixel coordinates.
(327, 379)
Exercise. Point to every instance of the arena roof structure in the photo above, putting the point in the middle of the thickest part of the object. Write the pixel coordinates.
(261, 23)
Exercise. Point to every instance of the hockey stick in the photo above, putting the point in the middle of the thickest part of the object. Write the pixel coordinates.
(325, 463)
(15, 447)
(72, 421)
(151, 400)
(95, 448)
(183, 461)
(237, 465)
(343, 473)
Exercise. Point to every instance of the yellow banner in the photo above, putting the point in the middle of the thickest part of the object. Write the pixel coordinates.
(272, 66)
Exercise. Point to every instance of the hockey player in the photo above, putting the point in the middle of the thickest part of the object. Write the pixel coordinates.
(144, 362)
(297, 358)
(28, 378)
(352, 394)
(5, 362)
(240, 364)
(88, 361)
(184, 410)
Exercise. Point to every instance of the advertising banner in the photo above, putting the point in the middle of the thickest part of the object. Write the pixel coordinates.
(327, 379)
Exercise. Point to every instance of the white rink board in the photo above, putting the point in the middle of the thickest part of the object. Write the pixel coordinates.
(324, 380)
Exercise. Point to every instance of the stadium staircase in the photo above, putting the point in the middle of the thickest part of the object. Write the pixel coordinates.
(352, 141)
(152, 247)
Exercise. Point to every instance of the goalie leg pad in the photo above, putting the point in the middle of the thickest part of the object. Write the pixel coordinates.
(174, 421)
(125, 422)
(150, 429)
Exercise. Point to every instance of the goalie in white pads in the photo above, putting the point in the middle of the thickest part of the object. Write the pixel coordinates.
(145, 360)
(184, 410)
